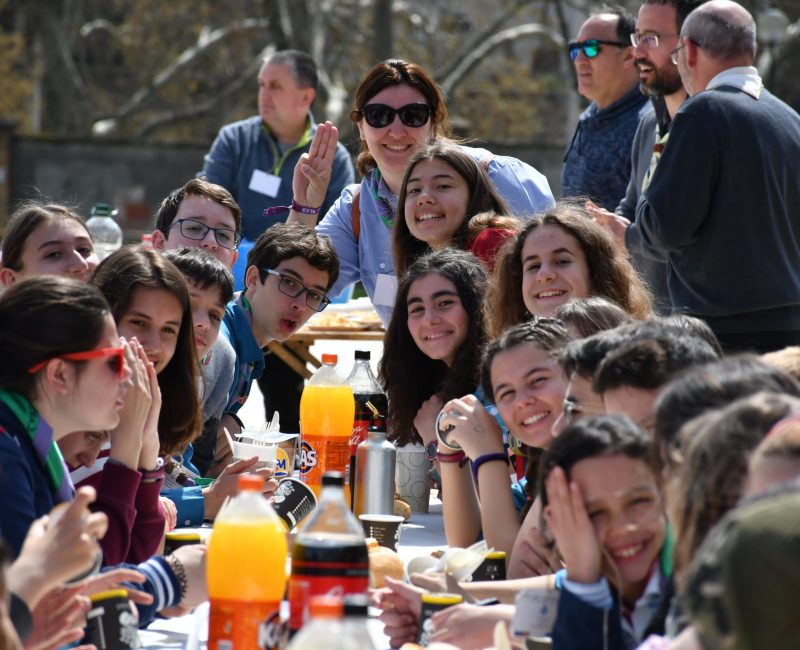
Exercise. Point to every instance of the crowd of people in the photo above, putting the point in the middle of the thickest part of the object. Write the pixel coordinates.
(616, 369)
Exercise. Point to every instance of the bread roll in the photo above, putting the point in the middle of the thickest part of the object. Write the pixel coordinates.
(384, 562)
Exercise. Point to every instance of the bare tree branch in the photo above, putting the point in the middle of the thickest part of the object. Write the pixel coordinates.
(467, 63)
(205, 41)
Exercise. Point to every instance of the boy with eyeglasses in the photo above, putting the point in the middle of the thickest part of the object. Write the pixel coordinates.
(289, 271)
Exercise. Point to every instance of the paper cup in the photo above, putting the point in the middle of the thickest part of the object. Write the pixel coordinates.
(413, 477)
(384, 528)
(293, 502)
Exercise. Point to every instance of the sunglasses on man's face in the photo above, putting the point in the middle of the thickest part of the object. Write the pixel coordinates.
(116, 359)
(591, 47)
(381, 115)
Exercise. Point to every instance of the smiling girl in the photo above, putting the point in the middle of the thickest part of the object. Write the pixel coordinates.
(46, 240)
(433, 344)
(522, 378)
(447, 200)
(558, 256)
(602, 501)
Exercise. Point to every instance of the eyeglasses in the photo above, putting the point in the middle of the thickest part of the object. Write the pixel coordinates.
(381, 115)
(117, 359)
(574, 410)
(674, 54)
(591, 47)
(650, 41)
(293, 288)
(197, 230)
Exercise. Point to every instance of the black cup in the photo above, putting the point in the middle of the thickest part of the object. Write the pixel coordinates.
(384, 528)
(293, 502)
(110, 623)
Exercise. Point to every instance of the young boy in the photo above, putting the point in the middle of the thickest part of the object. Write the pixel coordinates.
(200, 215)
(289, 270)
(210, 290)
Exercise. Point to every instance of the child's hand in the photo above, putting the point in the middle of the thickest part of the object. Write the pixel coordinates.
(425, 419)
(573, 531)
(474, 429)
(401, 604)
(126, 438)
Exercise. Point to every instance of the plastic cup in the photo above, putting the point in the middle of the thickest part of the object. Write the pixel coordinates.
(384, 528)
(412, 477)
(293, 502)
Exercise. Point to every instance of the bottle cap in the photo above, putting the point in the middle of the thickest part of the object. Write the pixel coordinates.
(250, 482)
(356, 605)
(362, 355)
(104, 210)
(325, 606)
(330, 358)
(333, 478)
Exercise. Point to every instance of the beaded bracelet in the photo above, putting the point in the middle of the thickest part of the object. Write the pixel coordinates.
(180, 573)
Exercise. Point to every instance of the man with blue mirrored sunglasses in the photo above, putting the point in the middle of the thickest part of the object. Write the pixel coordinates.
(597, 161)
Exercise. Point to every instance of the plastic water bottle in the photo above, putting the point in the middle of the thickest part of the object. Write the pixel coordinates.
(106, 233)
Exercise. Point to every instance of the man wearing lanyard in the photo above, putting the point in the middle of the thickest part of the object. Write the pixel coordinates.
(254, 159)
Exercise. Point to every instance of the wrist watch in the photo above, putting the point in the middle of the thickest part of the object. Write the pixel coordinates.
(432, 450)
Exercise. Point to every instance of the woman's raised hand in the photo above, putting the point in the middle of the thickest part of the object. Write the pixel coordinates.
(572, 529)
(150, 442)
(312, 174)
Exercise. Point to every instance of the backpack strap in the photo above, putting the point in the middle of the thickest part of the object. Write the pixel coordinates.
(355, 215)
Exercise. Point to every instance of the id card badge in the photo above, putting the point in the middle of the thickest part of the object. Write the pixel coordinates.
(264, 183)
(385, 290)
(535, 612)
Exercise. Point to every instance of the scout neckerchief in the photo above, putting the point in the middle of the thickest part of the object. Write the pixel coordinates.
(41, 436)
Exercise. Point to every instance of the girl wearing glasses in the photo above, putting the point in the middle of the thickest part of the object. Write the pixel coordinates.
(558, 256)
(446, 200)
(398, 108)
(46, 240)
(63, 370)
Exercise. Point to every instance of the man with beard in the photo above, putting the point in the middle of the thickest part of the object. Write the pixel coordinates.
(722, 204)
(657, 28)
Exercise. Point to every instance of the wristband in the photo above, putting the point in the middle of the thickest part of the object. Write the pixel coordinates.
(459, 457)
(277, 209)
(480, 460)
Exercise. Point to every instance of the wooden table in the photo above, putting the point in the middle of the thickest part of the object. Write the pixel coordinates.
(294, 351)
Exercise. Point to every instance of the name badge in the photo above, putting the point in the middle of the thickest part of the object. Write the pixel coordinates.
(385, 290)
(264, 183)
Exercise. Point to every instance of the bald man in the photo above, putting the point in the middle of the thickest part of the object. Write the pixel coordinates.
(723, 205)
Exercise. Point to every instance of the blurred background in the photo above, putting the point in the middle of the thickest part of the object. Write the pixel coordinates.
(117, 100)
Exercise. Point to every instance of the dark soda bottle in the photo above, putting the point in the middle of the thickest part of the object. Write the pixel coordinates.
(329, 555)
(365, 389)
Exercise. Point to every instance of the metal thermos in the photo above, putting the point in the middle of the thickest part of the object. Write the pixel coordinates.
(375, 461)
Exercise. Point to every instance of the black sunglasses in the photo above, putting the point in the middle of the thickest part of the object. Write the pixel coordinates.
(381, 115)
(591, 47)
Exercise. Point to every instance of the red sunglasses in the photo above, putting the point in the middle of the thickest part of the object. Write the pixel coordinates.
(117, 355)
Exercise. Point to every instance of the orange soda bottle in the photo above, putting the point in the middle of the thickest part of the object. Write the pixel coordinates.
(327, 408)
(246, 572)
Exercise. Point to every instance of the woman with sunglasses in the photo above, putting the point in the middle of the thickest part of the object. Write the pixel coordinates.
(398, 108)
